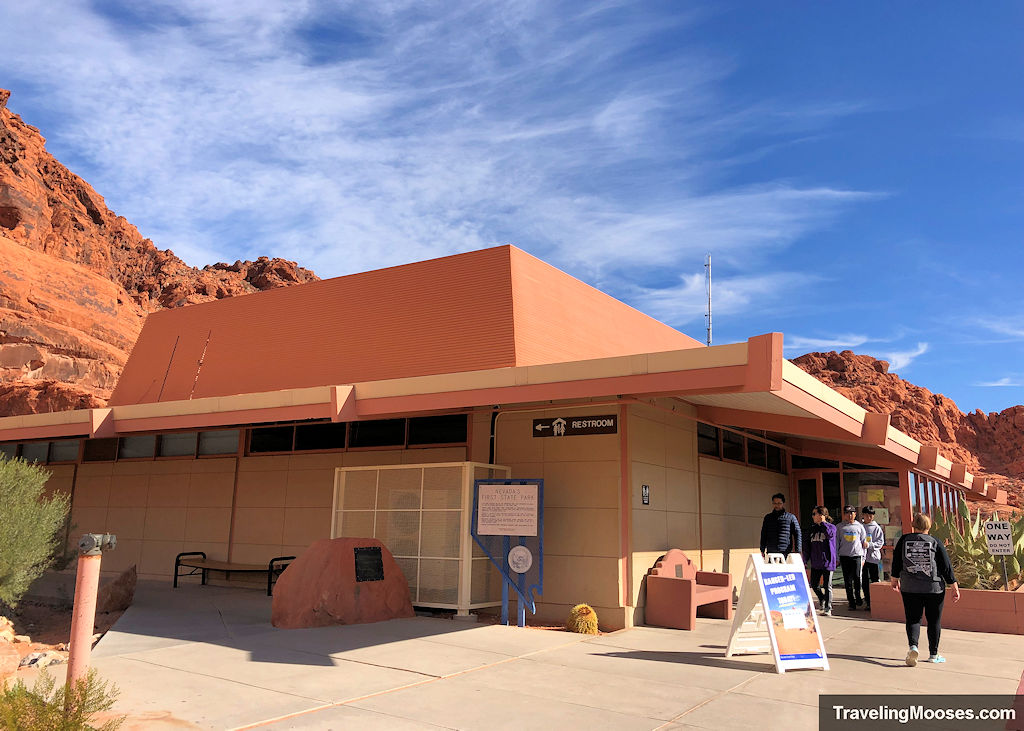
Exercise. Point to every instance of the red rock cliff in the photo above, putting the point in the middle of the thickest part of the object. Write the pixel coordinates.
(990, 444)
(77, 280)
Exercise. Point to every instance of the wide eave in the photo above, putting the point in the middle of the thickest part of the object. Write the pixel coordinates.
(747, 385)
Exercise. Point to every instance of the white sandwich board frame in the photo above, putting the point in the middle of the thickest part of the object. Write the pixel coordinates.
(776, 584)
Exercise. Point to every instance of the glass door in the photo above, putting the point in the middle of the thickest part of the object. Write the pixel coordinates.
(832, 498)
(807, 498)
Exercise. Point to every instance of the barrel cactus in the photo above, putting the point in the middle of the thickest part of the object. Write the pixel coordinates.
(582, 620)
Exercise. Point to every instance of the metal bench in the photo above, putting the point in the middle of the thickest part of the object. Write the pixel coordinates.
(198, 563)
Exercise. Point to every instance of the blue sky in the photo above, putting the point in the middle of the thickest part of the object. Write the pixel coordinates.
(856, 171)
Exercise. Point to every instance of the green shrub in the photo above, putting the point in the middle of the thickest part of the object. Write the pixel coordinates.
(582, 620)
(31, 527)
(973, 565)
(45, 708)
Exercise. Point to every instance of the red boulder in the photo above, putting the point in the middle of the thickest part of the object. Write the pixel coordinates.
(319, 588)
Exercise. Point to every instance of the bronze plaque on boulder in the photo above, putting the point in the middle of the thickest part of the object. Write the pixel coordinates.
(369, 563)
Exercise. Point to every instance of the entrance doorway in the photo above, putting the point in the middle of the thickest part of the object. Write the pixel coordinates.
(819, 487)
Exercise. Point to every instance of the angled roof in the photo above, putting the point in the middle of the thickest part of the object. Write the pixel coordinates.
(494, 308)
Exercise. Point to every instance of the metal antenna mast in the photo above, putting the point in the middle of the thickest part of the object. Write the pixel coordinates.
(707, 287)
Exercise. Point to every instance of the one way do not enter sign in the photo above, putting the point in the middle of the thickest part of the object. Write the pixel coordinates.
(1000, 537)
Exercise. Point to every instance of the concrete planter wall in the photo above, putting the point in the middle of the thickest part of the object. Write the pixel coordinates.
(979, 610)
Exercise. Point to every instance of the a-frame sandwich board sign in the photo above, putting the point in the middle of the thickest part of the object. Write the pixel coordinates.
(776, 614)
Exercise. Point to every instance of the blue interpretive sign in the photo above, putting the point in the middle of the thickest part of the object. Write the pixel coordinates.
(508, 524)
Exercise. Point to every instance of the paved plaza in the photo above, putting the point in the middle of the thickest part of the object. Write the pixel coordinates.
(207, 657)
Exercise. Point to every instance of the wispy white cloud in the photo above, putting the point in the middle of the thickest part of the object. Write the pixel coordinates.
(901, 359)
(354, 136)
(1005, 381)
(844, 341)
(1012, 328)
(687, 300)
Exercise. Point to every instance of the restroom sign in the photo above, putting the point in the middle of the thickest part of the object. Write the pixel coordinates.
(1000, 537)
(575, 426)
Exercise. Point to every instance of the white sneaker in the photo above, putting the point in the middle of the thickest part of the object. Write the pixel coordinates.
(912, 656)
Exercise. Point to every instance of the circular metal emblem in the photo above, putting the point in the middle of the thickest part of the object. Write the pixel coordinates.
(520, 559)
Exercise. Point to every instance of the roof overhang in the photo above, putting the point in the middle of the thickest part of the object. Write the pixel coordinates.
(749, 385)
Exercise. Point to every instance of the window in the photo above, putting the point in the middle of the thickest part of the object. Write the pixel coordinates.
(756, 453)
(100, 450)
(732, 446)
(319, 436)
(35, 451)
(810, 463)
(181, 444)
(9, 450)
(449, 429)
(707, 439)
(143, 447)
(218, 442)
(383, 433)
(271, 439)
(66, 450)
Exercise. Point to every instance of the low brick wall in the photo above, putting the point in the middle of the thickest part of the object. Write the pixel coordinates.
(978, 610)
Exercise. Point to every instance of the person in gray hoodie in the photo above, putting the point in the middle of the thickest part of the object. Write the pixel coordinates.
(873, 553)
(851, 538)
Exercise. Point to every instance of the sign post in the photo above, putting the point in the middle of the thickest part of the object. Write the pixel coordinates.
(507, 512)
(776, 614)
(999, 536)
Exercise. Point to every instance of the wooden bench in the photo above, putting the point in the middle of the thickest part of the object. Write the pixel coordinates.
(676, 589)
(198, 563)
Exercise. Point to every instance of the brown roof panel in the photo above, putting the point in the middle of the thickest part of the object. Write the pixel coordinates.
(558, 318)
(446, 315)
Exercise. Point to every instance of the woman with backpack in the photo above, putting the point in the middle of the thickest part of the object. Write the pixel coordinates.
(820, 552)
(920, 572)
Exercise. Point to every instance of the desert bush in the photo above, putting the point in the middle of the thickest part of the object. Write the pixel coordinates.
(49, 708)
(973, 565)
(582, 620)
(31, 527)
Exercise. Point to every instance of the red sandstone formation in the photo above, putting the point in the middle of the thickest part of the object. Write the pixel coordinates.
(76, 280)
(990, 444)
(319, 588)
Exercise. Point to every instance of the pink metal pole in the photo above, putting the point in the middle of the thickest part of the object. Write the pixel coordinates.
(83, 618)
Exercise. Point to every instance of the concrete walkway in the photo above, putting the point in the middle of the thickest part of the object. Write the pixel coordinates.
(207, 657)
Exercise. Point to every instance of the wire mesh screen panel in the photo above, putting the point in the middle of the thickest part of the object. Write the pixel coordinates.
(354, 524)
(399, 530)
(439, 533)
(437, 492)
(360, 490)
(399, 489)
(439, 581)
(410, 568)
(422, 513)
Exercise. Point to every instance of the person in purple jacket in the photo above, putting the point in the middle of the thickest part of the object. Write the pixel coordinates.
(820, 552)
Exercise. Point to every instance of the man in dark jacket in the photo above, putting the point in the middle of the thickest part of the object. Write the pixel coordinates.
(780, 530)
